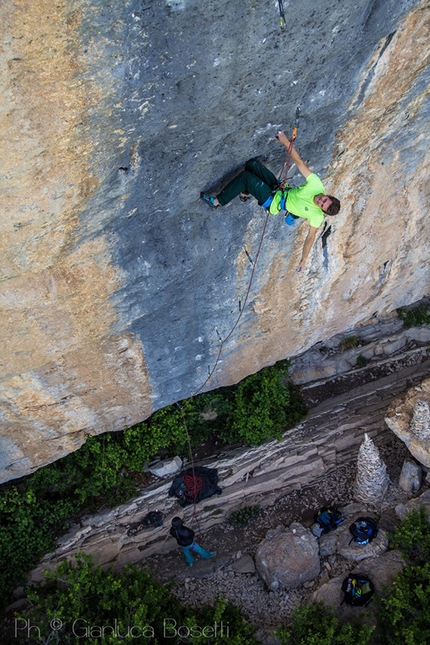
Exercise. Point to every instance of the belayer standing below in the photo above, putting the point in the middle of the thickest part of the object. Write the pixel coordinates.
(185, 538)
(308, 201)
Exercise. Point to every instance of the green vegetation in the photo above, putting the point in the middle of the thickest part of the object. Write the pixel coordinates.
(242, 516)
(415, 316)
(82, 603)
(361, 361)
(107, 468)
(317, 624)
(404, 613)
(412, 538)
(350, 342)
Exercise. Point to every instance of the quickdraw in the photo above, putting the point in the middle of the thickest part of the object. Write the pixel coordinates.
(281, 14)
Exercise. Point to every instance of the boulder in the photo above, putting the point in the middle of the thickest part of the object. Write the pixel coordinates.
(402, 510)
(411, 476)
(409, 418)
(167, 467)
(288, 557)
(245, 564)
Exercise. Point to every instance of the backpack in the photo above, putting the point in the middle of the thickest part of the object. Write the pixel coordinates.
(363, 530)
(328, 519)
(358, 590)
(153, 518)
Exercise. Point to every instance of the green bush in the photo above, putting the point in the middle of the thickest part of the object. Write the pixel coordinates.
(412, 538)
(316, 624)
(27, 529)
(361, 361)
(242, 516)
(83, 603)
(350, 342)
(259, 407)
(415, 316)
(404, 615)
(404, 611)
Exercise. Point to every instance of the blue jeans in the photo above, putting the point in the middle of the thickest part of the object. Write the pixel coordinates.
(196, 548)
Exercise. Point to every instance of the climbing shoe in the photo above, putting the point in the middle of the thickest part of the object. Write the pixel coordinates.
(208, 200)
(244, 197)
(212, 554)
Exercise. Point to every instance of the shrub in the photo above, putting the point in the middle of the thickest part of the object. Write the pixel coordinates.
(361, 361)
(404, 615)
(350, 342)
(415, 316)
(83, 603)
(259, 406)
(242, 516)
(404, 612)
(27, 529)
(412, 538)
(316, 624)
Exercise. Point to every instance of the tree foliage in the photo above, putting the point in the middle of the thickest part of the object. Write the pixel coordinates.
(83, 603)
(412, 538)
(317, 624)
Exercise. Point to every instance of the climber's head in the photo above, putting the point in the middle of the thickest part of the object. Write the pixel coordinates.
(329, 205)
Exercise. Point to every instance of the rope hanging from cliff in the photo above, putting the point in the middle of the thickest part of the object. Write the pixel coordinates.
(193, 484)
(283, 177)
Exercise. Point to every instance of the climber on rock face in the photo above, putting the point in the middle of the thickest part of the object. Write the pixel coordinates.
(308, 201)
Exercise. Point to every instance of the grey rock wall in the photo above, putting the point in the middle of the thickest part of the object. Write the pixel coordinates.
(115, 279)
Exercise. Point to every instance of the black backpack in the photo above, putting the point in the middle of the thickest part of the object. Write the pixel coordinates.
(358, 590)
(328, 519)
(363, 530)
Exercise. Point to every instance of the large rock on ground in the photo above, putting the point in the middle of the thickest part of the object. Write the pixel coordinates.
(409, 419)
(288, 557)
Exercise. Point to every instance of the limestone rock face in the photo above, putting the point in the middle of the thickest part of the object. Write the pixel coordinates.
(371, 482)
(288, 558)
(114, 277)
(409, 419)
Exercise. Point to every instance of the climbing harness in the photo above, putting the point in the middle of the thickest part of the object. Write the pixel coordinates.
(281, 15)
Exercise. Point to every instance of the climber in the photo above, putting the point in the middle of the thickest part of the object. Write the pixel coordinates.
(308, 201)
(185, 538)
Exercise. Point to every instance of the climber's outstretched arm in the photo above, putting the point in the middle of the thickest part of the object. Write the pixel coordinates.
(301, 166)
(310, 239)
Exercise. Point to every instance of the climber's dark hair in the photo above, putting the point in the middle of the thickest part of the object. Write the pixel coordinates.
(334, 207)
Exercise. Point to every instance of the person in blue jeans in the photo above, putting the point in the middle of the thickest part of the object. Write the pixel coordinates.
(185, 538)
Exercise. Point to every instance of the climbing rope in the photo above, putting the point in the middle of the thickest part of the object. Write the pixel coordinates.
(283, 177)
(193, 482)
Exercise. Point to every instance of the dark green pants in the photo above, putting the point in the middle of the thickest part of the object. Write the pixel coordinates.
(255, 180)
